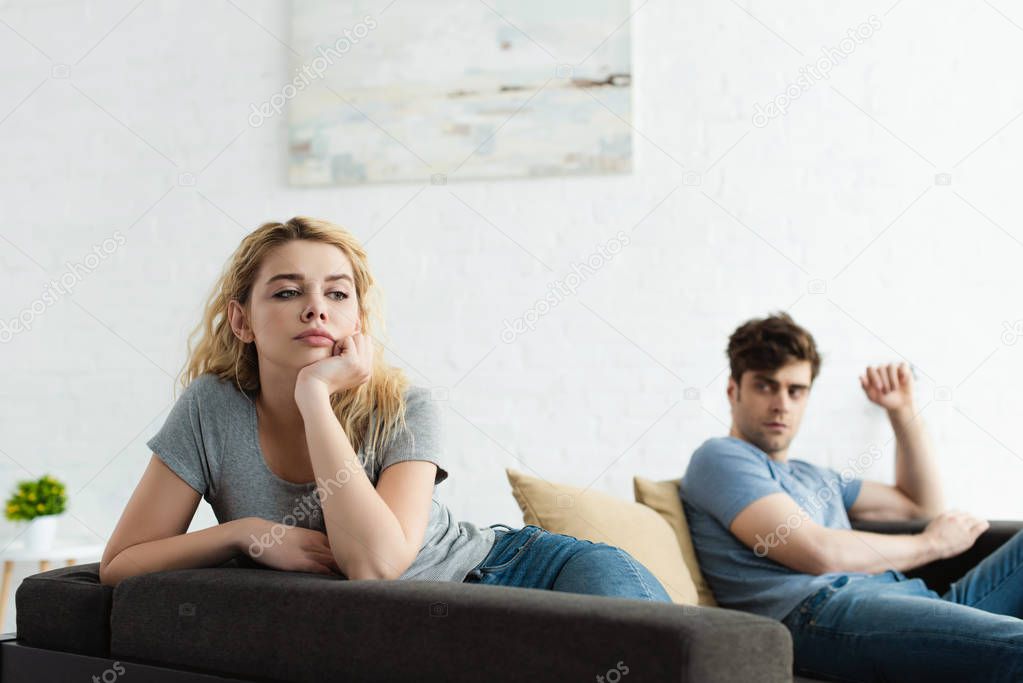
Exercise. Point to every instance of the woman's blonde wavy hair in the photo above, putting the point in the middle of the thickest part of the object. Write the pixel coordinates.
(378, 404)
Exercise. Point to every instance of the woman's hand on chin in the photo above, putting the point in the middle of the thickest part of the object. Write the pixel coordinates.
(349, 365)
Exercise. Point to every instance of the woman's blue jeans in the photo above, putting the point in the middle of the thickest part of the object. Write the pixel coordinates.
(532, 557)
(887, 627)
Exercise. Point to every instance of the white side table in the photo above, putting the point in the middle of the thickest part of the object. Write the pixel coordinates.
(16, 552)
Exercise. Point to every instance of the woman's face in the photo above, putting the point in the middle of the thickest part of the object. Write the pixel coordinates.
(300, 286)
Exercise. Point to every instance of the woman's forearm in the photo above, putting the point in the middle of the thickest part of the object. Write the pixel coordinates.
(366, 538)
(205, 548)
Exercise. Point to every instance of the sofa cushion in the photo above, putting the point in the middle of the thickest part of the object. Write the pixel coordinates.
(65, 609)
(293, 626)
(602, 518)
(663, 497)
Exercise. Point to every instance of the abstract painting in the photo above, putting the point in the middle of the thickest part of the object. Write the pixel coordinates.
(457, 89)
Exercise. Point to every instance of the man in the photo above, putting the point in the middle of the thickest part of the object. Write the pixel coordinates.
(773, 535)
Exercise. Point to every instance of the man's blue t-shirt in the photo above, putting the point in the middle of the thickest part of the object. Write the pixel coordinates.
(727, 474)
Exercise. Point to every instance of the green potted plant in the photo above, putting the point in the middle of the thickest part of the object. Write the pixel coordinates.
(39, 503)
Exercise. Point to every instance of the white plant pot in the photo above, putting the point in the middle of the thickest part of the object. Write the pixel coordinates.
(40, 532)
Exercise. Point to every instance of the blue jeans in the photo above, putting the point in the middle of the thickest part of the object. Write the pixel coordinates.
(887, 627)
(532, 557)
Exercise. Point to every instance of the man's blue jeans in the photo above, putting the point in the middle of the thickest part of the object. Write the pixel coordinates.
(532, 557)
(887, 627)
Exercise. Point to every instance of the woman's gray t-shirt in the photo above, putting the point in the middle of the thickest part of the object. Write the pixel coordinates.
(211, 440)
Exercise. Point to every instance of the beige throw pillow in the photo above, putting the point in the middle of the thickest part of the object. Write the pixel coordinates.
(602, 518)
(662, 496)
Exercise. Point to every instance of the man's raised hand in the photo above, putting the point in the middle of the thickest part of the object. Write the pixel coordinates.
(889, 386)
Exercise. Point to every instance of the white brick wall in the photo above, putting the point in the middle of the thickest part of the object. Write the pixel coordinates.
(842, 188)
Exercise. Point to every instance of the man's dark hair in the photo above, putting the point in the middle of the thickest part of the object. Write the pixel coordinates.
(766, 344)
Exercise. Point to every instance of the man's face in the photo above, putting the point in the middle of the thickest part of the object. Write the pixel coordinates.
(767, 407)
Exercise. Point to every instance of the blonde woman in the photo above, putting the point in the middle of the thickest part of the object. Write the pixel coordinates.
(316, 455)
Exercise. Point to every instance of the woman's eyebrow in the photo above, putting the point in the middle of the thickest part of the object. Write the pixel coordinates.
(298, 277)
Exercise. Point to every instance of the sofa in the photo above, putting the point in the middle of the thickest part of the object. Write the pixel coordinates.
(242, 621)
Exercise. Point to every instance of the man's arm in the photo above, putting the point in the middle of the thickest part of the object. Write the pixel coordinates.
(917, 490)
(882, 502)
(776, 527)
(916, 467)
